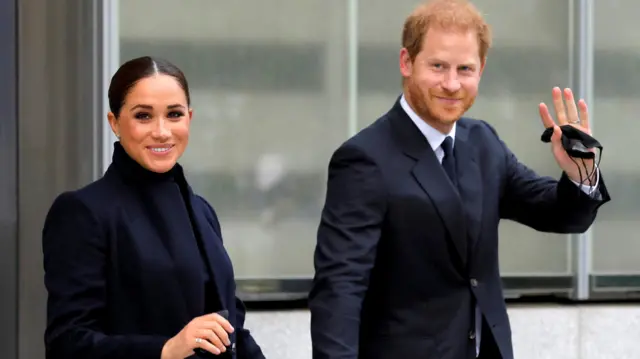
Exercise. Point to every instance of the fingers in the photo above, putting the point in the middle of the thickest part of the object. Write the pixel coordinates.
(209, 332)
(220, 320)
(584, 116)
(556, 136)
(556, 142)
(547, 121)
(211, 342)
(569, 113)
(218, 330)
(206, 345)
(572, 110)
(558, 104)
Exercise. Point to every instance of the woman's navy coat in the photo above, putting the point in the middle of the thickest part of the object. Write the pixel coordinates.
(124, 271)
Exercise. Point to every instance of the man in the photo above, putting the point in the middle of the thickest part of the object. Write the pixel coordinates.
(407, 254)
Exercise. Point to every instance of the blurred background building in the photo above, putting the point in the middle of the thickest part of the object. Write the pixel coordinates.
(276, 86)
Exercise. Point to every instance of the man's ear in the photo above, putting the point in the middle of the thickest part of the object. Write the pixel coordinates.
(482, 63)
(406, 63)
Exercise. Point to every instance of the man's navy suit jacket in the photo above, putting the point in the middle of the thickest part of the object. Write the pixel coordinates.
(402, 257)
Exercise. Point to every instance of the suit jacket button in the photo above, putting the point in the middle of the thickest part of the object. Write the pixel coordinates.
(472, 335)
(474, 282)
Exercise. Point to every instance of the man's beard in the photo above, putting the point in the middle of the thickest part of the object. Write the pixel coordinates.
(435, 113)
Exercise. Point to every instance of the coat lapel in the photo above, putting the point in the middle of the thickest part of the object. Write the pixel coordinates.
(169, 213)
(178, 221)
(213, 249)
(469, 182)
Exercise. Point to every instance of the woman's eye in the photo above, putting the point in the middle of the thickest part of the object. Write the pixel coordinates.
(175, 114)
(142, 116)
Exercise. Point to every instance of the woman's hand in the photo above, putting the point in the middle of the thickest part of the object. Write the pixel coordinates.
(208, 332)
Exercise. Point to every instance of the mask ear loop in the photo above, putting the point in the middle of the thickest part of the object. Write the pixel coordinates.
(576, 163)
(586, 170)
(589, 178)
(596, 168)
(579, 170)
(589, 175)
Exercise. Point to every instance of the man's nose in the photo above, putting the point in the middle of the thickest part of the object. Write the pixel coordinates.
(451, 82)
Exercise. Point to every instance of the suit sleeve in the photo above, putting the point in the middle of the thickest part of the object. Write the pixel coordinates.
(544, 203)
(75, 260)
(347, 239)
(246, 346)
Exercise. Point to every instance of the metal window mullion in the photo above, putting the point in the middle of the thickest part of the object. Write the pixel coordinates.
(352, 19)
(111, 61)
(582, 84)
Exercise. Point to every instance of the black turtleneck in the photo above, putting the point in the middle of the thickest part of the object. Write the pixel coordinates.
(171, 183)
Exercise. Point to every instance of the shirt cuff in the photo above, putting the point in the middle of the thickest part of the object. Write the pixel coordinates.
(587, 188)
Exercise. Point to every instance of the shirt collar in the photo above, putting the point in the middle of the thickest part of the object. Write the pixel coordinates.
(433, 136)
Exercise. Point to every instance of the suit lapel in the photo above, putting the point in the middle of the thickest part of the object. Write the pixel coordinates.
(434, 181)
(432, 178)
(469, 182)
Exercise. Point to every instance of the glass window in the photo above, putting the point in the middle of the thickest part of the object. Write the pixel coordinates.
(616, 89)
(270, 106)
(270, 94)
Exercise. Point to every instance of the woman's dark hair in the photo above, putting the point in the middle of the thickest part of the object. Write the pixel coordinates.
(137, 69)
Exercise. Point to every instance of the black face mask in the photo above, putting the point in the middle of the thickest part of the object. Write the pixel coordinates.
(577, 144)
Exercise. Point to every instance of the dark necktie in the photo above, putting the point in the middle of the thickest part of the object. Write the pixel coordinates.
(449, 161)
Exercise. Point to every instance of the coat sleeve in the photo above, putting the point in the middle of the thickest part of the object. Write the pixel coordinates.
(75, 258)
(544, 203)
(347, 240)
(246, 346)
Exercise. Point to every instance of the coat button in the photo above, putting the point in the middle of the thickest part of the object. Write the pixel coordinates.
(472, 335)
(474, 282)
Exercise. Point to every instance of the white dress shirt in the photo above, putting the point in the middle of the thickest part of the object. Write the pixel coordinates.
(435, 139)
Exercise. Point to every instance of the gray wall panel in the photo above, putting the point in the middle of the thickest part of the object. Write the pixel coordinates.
(59, 134)
(8, 182)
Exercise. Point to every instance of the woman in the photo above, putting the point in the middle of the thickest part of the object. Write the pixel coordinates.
(134, 262)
